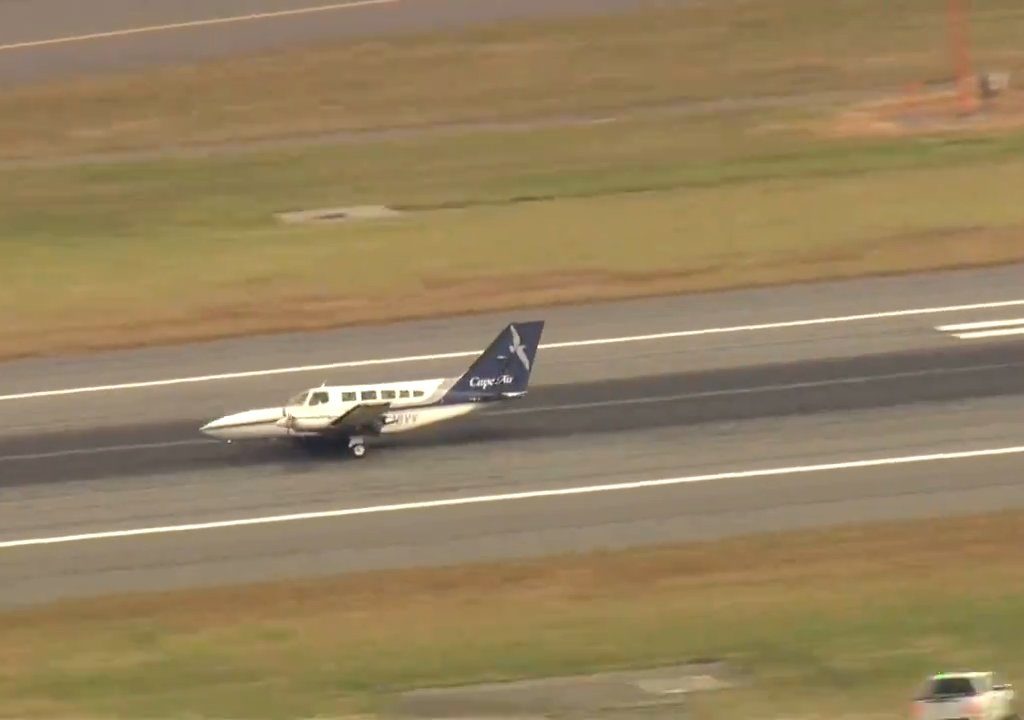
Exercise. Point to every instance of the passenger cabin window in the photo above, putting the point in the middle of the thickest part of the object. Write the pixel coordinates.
(319, 398)
(418, 393)
(348, 397)
(369, 394)
(387, 394)
(403, 393)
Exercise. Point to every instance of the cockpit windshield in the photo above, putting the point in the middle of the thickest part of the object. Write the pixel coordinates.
(299, 399)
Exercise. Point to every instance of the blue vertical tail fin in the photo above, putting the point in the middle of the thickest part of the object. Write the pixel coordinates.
(503, 369)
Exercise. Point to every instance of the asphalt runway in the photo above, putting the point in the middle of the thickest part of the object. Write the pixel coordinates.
(45, 40)
(760, 407)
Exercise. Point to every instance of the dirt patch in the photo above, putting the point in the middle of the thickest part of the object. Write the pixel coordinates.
(919, 110)
(972, 245)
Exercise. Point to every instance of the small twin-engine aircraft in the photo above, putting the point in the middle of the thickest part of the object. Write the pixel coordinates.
(347, 414)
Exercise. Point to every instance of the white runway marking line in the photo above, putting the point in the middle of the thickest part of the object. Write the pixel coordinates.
(544, 346)
(102, 449)
(195, 23)
(984, 329)
(507, 497)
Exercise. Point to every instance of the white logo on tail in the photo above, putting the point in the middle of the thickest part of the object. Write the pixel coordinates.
(487, 383)
(518, 348)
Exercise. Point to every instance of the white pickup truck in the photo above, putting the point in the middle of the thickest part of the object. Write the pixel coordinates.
(964, 696)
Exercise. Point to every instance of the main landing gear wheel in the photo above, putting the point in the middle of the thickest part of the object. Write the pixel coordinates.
(356, 447)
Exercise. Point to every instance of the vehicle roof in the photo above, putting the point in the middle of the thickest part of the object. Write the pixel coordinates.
(970, 674)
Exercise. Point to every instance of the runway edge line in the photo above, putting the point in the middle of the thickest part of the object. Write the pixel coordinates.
(525, 495)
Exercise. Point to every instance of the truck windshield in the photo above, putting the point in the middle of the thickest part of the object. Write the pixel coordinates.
(952, 686)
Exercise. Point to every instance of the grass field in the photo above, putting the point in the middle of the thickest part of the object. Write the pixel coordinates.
(836, 624)
(722, 49)
(97, 254)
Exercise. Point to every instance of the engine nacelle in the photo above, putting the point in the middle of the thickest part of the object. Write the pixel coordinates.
(299, 424)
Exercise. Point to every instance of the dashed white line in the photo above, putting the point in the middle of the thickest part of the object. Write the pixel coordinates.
(194, 24)
(517, 496)
(980, 325)
(984, 328)
(670, 335)
(979, 334)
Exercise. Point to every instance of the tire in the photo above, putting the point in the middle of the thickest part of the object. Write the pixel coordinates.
(358, 450)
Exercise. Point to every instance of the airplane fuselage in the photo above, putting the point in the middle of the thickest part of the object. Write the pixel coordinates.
(413, 405)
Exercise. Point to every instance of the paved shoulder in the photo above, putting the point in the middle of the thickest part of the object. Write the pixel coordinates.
(48, 39)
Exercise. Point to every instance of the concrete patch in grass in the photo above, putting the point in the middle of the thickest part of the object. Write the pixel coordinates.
(339, 214)
(659, 692)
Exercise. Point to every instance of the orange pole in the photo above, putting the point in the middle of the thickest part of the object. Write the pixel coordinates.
(960, 47)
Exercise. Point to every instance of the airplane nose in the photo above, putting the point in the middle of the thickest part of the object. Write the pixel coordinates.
(245, 424)
(212, 428)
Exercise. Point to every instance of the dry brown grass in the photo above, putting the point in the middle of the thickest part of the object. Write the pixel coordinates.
(823, 619)
(116, 290)
(448, 297)
(822, 563)
(722, 49)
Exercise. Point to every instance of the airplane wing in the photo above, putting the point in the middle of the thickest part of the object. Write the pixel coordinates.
(360, 418)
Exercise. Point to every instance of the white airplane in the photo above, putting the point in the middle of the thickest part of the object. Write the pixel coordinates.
(349, 413)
